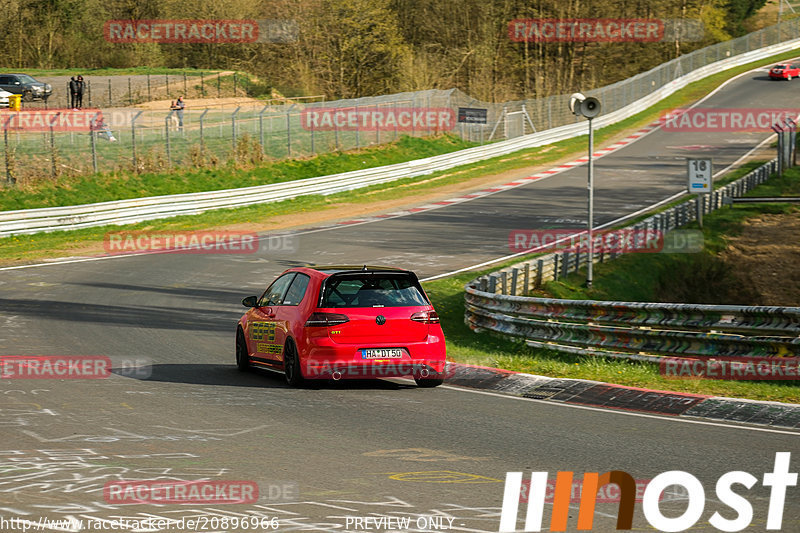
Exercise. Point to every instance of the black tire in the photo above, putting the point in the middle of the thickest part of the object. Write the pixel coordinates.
(291, 365)
(27, 96)
(242, 358)
(428, 383)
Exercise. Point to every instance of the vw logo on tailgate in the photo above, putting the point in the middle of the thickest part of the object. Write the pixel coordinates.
(380, 320)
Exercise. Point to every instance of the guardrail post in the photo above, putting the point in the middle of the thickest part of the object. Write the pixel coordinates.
(484, 284)
(493, 283)
(777, 129)
(514, 276)
(564, 264)
(539, 269)
(526, 279)
(556, 265)
(504, 282)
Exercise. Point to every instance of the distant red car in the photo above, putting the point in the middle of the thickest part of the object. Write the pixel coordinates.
(784, 71)
(343, 322)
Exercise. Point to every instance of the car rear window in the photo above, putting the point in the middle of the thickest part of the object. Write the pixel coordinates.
(372, 289)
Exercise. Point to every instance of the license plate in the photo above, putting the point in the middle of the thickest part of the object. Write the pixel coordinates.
(381, 353)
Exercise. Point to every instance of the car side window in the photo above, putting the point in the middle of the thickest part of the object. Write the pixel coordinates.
(297, 290)
(5, 80)
(275, 293)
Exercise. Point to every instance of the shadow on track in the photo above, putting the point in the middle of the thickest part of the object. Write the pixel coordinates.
(229, 376)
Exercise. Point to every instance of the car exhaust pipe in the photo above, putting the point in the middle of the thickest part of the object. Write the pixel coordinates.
(336, 375)
(424, 373)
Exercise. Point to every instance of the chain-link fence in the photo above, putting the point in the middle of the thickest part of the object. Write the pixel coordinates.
(158, 140)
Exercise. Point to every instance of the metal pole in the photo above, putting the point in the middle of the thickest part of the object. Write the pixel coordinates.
(233, 130)
(53, 142)
(92, 137)
(130, 93)
(109, 93)
(202, 137)
(700, 201)
(261, 128)
(133, 138)
(166, 137)
(289, 132)
(590, 222)
(9, 178)
(148, 87)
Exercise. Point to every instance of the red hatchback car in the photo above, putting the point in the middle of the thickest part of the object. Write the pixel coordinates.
(784, 71)
(343, 322)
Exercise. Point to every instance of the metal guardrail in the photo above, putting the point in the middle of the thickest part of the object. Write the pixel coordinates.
(763, 200)
(29, 221)
(687, 338)
(498, 302)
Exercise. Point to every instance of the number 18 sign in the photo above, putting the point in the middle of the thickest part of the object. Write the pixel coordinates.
(699, 176)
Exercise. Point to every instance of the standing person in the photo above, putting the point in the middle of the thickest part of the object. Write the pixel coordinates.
(180, 105)
(79, 93)
(73, 92)
(173, 119)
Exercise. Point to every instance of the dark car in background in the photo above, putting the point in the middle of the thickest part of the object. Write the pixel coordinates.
(27, 86)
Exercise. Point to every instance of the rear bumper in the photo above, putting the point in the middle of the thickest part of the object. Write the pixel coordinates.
(327, 360)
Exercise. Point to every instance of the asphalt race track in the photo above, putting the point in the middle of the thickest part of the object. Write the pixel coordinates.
(347, 449)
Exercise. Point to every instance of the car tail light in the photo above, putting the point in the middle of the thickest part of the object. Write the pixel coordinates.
(326, 319)
(426, 317)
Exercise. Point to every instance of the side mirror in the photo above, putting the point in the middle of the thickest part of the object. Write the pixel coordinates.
(250, 301)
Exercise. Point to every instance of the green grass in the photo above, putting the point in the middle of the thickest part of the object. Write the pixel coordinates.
(633, 277)
(105, 187)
